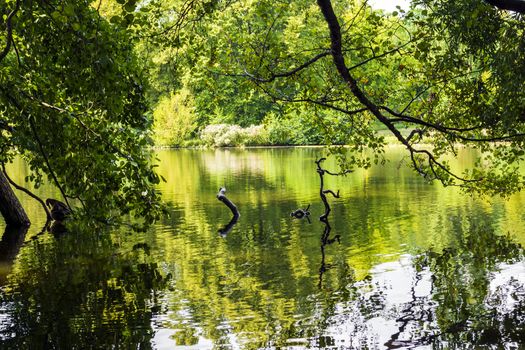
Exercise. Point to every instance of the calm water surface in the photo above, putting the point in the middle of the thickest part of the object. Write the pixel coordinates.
(416, 266)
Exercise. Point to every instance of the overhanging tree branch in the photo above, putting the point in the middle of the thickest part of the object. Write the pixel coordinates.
(375, 57)
(293, 71)
(39, 143)
(323, 103)
(84, 126)
(339, 62)
(452, 131)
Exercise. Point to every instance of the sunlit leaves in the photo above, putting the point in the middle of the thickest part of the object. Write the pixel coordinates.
(76, 76)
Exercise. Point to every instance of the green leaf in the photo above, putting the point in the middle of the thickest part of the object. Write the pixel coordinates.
(69, 10)
(130, 6)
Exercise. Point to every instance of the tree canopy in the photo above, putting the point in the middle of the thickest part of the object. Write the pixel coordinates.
(82, 84)
(439, 76)
(73, 105)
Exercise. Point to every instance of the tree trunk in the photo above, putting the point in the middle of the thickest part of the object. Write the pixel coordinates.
(10, 207)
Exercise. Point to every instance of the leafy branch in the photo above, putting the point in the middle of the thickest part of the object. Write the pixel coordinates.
(46, 159)
(9, 30)
(339, 61)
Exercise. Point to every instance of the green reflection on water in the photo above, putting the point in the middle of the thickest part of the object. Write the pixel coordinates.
(417, 265)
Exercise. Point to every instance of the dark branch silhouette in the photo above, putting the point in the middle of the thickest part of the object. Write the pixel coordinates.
(229, 226)
(290, 72)
(222, 197)
(325, 238)
(59, 210)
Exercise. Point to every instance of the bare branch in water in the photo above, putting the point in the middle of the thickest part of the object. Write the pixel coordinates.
(325, 238)
(222, 197)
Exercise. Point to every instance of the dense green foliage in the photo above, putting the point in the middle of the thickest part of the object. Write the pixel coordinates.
(77, 79)
(445, 72)
(73, 100)
(225, 59)
(84, 290)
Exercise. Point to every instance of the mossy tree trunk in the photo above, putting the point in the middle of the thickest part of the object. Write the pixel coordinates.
(10, 207)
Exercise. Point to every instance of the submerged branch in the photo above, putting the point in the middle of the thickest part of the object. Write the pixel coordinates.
(325, 238)
(222, 197)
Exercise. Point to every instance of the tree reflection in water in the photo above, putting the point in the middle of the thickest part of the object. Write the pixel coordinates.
(250, 297)
(472, 295)
(268, 286)
(87, 291)
(12, 240)
(469, 307)
(81, 291)
(459, 306)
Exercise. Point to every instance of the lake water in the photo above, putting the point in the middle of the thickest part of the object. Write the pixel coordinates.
(416, 265)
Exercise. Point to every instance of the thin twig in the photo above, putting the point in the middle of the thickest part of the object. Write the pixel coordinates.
(25, 190)
(46, 159)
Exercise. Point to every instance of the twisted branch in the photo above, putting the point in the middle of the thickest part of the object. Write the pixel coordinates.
(325, 238)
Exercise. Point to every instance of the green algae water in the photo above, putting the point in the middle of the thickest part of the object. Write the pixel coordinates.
(416, 266)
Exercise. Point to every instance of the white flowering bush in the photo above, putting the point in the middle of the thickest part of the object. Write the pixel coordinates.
(224, 135)
(256, 135)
